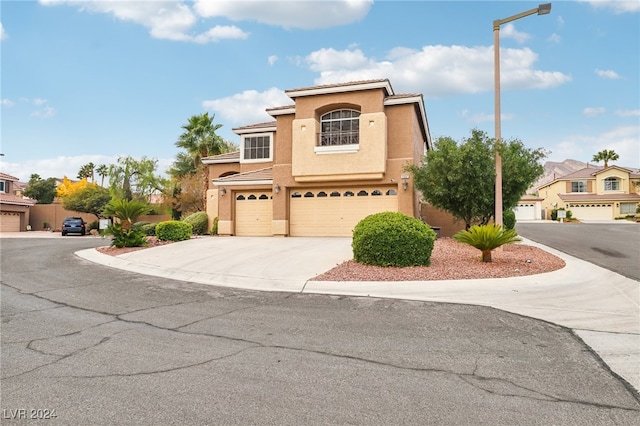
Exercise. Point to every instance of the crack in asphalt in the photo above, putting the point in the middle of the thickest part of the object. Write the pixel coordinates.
(466, 377)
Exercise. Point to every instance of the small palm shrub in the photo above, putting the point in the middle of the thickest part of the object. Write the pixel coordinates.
(486, 238)
(127, 211)
(392, 239)
(173, 230)
(198, 221)
(125, 237)
(509, 219)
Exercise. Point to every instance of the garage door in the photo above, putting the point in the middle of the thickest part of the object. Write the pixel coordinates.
(586, 211)
(525, 212)
(333, 212)
(9, 222)
(254, 214)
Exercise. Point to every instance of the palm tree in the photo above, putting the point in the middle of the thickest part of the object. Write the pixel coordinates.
(606, 155)
(86, 171)
(486, 238)
(102, 171)
(200, 140)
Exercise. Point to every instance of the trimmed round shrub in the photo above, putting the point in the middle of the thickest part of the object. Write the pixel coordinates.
(214, 227)
(173, 230)
(392, 239)
(149, 229)
(509, 219)
(198, 221)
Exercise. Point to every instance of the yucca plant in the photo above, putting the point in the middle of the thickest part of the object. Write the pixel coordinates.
(486, 238)
(126, 211)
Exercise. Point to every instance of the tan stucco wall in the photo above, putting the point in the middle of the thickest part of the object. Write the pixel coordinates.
(618, 174)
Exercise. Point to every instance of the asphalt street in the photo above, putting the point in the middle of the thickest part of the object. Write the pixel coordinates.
(97, 345)
(612, 245)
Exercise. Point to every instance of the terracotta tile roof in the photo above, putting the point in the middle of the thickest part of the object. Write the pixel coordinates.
(15, 200)
(404, 95)
(350, 83)
(5, 176)
(256, 126)
(230, 157)
(599, 197)
(265, 174)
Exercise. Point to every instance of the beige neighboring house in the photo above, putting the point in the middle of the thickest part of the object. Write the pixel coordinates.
(529, 208)
(594, 193)
(14, 209)
(334, 156)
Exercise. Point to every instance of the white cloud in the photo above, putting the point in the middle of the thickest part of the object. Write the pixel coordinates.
(437, 70)
(628, 113)
(610, 74)
(249, 106)
(509, 31)
(46, 112)
(170, 20)
(39, 101)
(7, 102)
(554, 38)
(272, 59)
(3, 33)
(593, 112)
(617, 6)
(305, 14)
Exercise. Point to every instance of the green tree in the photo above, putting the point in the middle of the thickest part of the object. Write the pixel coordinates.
(134, 179)
(90, 199)
(606, 155)
(87, 171)
(460, 178)
(103, 171)
(199, 140)
(41, 190)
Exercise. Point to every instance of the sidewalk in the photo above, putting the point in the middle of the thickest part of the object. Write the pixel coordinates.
(602, 307)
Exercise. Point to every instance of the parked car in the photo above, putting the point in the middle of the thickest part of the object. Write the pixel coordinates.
(74, 225)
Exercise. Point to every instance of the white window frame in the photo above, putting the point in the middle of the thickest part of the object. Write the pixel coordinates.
(256, 160)
(630, 206)
(608, 183)
(581, 185)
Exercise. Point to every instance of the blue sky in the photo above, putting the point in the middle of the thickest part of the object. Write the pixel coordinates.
(88, 81)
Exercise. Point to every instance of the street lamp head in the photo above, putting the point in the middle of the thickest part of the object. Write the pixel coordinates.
(544, 9)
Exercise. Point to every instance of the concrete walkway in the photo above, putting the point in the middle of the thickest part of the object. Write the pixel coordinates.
(600, 306)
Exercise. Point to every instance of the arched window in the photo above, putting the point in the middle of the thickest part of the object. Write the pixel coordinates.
(252, 197)
(392, 192)
(322, 194)
(362, 193)
(296, 195)
(308, 195)
(335, 194)
(339, 127)
(240, 198)
(376, 192)
(263, 197)
(611, 184)
(348, 194)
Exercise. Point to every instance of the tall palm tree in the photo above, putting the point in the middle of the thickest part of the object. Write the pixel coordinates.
(86, 171)
(606, 155)
(102, 170)
(200, 140)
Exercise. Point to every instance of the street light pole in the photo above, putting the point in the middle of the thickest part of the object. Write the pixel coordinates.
(543, 9)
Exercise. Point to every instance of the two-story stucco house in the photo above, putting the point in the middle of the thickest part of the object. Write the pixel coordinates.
(334, 156)
(594, 193)
(14, 209)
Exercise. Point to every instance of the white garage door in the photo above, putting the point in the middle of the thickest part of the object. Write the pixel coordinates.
(254, 214)
(9, 222)
(585, 211)
(525, 212)
(333, 212)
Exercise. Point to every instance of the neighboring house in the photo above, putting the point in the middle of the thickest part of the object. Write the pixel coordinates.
(333, 157)
(594, 193)
(14, 209)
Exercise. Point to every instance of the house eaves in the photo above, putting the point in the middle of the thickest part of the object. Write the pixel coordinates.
(599, 197)
(230, 157)
(16, 200)
(255, 177)
(256, 128)
(341, 88)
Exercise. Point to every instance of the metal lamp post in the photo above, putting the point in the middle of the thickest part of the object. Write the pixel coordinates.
(543, 9)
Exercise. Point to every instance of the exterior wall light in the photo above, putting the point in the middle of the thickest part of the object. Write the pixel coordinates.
(223, 191)
(405, 184)
(277, 189)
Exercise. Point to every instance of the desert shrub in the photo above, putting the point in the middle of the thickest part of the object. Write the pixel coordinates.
(198, 221)
(509, 219)
(125, 237)
(173, 230)
(392, 239)
(486, 238)
(93, 225)
(214, 227)
(149, 229)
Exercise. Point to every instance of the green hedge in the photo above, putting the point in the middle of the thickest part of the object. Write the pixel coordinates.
(509, 219)
(392, 239)
(198, 221)
(173, 230)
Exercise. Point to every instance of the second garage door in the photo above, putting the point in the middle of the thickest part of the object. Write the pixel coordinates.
(254, 214)
(9, 222)
(333, 212)
(591, 211)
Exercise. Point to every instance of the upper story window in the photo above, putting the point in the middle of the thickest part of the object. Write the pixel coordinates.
(579, 186)
(611, 184)
(339, 127)
(3, 186)
(257, 148)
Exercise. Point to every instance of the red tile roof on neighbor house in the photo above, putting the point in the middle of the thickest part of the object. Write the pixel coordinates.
(595, 197)
(5, 176)
(263, 175)
(15, 200)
